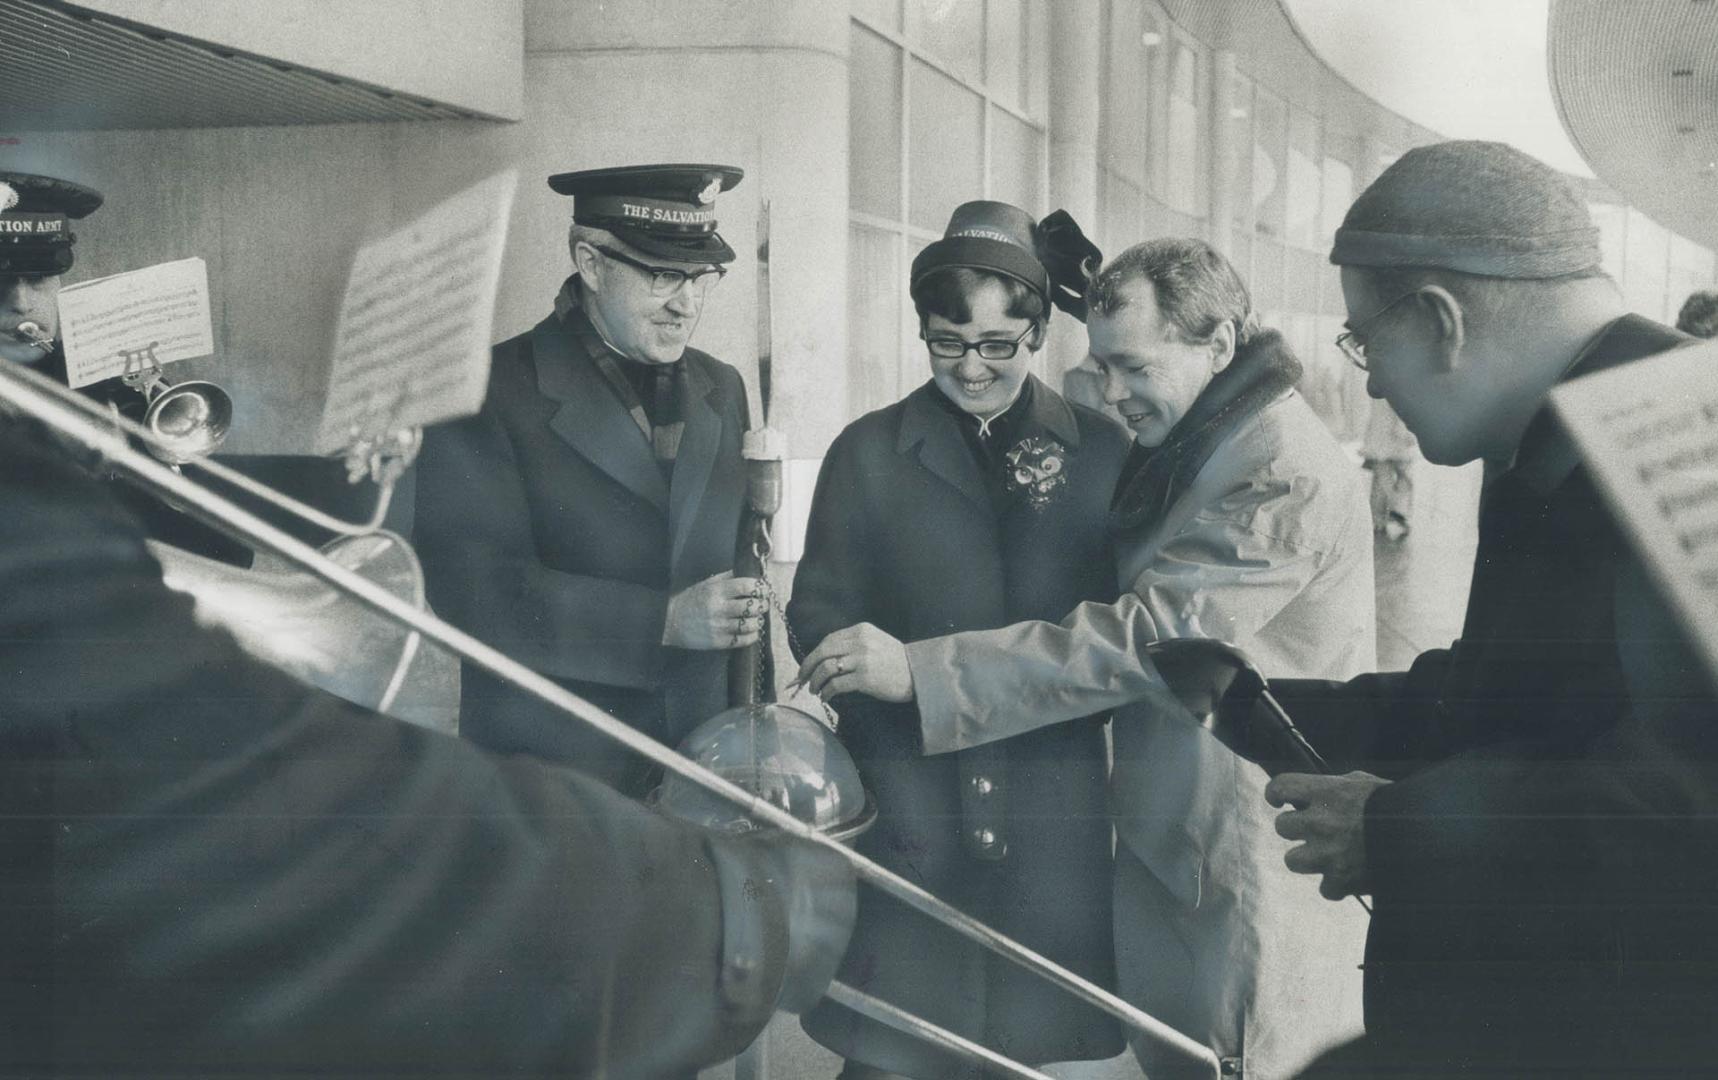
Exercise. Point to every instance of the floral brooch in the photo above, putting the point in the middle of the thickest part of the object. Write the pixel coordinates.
(1035, 470)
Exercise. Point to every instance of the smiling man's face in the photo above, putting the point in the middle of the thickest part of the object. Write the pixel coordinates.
(1151, 374)
(641, 325)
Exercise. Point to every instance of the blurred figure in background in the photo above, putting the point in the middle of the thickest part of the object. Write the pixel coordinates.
(1699, 314)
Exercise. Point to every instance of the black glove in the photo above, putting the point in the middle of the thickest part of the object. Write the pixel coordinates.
(808, 893)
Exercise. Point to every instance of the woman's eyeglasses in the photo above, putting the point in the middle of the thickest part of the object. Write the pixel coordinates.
(953, 348)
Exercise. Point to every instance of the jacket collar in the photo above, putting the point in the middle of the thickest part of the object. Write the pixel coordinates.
(1547, 455)
(591, 420)
(927, 424)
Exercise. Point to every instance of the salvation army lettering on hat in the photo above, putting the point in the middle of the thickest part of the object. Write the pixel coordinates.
(664, 210)
(991, 236)
(35, 237)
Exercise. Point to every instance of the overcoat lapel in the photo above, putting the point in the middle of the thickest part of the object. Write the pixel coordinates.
(699, 441)
(928, 426)
(590, 418)
(926, 423)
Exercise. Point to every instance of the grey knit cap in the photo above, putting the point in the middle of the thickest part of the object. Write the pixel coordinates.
(1474, 207)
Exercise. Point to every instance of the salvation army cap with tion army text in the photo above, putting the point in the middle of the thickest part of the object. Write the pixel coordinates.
(668, 211)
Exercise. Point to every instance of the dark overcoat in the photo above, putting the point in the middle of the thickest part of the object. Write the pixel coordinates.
(904, 534)
(211, 869)
(1545, 866)
(548, 530)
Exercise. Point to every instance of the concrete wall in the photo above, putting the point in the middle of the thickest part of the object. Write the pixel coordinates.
(464, 53)
(278, 212)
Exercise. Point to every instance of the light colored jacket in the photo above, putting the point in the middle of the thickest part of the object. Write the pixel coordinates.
(1270, 549)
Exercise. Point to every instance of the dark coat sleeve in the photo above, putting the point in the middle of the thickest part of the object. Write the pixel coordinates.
(474, 533)
(217, 869)
(837, 580)
(1625, 817)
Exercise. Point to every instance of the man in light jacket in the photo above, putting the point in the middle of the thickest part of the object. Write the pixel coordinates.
(1240, 519)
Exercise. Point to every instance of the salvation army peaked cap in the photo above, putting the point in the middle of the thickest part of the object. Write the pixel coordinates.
(34, 212)
(664, 210)
(1475, 207)
(986, 235)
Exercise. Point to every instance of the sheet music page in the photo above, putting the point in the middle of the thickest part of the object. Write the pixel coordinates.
(412, 345)
(104, 321)
(1649, 434)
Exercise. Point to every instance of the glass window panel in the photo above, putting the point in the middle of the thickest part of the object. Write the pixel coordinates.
(1186, 190)
(1239, 166)
(1037, 53)
(873, 318)
(1004, 74)
(1330, 301)
(1338, 195)
(1120, 204)
(1267, 280)
(947, 162)
(1690, 271)
(1305, 186)
(1125, 101)
(883, 13)
(913, 364)
(952, 31)
(1646, 253)
(874, 124)
(1300, 281)
(1016, 162)
(1270, 139)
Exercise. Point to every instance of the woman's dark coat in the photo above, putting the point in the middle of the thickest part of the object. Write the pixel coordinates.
(905, 534)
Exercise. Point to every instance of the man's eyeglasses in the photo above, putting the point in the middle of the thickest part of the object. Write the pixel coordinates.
(953, 348)
(1350, 342)
(665, 281)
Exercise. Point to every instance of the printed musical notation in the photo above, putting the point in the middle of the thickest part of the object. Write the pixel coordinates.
(412, 344)
(1649, 434)
(108, 320)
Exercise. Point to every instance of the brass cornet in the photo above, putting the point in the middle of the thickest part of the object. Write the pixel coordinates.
(189, 419)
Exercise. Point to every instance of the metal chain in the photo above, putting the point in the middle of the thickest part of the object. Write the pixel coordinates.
(762, 550)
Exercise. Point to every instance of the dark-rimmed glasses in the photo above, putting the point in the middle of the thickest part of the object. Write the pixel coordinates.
(953, 348)
(665, 281)
(1350, 342)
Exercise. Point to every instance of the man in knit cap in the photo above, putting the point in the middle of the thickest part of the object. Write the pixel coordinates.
(1537, 815)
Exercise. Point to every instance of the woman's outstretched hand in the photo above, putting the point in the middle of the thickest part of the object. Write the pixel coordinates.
(858, 660)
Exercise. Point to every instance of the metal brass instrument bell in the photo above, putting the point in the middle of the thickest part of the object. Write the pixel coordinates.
(310, 629)
(189, 419)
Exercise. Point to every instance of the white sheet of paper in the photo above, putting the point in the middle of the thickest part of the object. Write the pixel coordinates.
(412, 344)
(1649, 434)
(166, 304)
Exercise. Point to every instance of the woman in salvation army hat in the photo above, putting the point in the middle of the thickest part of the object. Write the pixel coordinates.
(978, 500)
(1237, 517)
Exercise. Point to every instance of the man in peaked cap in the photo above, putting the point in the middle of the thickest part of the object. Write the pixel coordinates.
(1538, 807)
(35, 249)
(587, 520)
(213, 869)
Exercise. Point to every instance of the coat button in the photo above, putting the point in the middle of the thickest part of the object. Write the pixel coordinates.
(983, 785)
(742, 966)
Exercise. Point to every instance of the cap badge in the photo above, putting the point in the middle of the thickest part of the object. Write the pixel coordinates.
(8, 196)
(711, 190)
